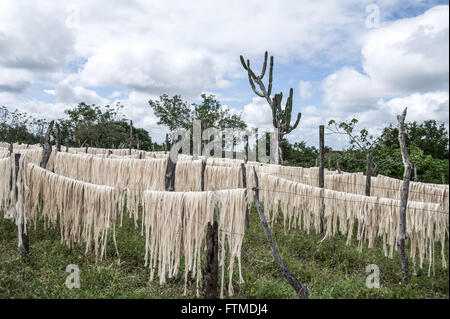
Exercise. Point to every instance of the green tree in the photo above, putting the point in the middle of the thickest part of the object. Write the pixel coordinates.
(175, 113)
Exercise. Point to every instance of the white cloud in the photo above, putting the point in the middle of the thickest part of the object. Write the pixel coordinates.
(403, 57)
(305, 90)
(258, 114)
(65, 93)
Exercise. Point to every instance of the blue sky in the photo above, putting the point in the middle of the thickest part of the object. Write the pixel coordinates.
(57, 53)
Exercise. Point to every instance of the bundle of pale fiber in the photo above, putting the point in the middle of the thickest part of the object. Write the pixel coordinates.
(175, 226)
(384, 186)
(223, 177)
(425, 225)
(85, 211)
(5, 180)
(188, 176)
(133, 176)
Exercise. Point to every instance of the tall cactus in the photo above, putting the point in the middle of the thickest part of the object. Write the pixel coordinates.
(281, 117)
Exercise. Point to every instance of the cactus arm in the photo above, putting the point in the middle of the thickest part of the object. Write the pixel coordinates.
(269, 90)
(264, 66)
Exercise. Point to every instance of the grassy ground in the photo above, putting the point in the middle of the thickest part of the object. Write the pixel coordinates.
(330, 269)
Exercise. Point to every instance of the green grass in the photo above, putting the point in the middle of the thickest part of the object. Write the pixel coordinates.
(330, 269)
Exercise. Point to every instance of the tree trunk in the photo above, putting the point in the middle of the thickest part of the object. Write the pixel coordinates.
(404, 197)
(300, 289)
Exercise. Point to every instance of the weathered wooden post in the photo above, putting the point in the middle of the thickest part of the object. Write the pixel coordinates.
(244, 185)
(24, 245)
(404, 197)
(321, 171)
(338, 166)
(211, 270)
(58, 137)
(131, 137)
(171, 166)
(300, 289)
(415, 172)
(368, 172)
(166, 144)
(47, 146)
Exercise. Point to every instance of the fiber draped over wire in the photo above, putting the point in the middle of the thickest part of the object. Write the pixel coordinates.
(131, 175)
(175, 226)
(85, 211)
(301, 204)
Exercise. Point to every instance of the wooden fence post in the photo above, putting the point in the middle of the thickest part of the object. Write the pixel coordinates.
(244, 185)
(368, 172)
(171, 166)
(300, 289)
(24, 245)
(404, 197)
(166, 144)
(58, 137)
(321, 172)
(211, 270)
(131, 137)
(47, 146)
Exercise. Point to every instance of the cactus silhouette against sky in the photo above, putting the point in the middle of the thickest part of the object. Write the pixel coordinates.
(281, 117)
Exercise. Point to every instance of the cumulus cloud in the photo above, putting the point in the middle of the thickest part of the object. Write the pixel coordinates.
(305, 90)
(403, 57)
(258, 114)
(34, 43)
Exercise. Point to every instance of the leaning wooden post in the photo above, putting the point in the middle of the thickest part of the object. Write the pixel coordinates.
(24, 245)
(47, 146)
(244, 185)
(404, 197)
(415, 172)
(321, 171)
(300, 289)
(131, 137)
(368, 172)
(58, 137)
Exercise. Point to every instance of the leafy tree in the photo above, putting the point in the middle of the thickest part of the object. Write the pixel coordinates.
(107, 128)
(20, 127)
(175, 113)
(428, 136)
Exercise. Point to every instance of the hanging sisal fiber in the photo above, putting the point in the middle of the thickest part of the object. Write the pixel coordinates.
(85, 211)
(175, 226)
(222, 177)
(131, 175)
(374, 216)
(188, 176)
